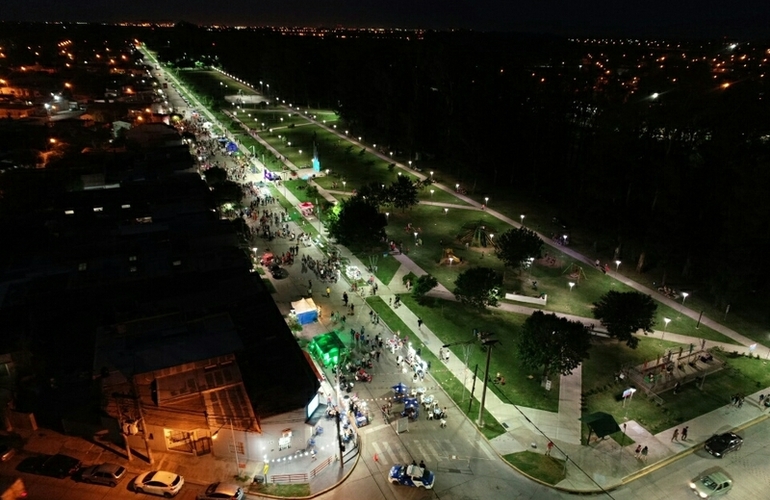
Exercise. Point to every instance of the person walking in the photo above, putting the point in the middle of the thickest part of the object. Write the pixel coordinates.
(675, 437)
(419, 323)
(345, 298)
(638, 452)
(684, 433)
(548, 448)
(644, 454)
(328, 292)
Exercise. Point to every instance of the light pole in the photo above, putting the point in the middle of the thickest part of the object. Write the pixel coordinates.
(617, 265)
(684, 296)
(431, 175)
(571, 286)
(415, 236)
(431, 193)
(457, 187)
(488, 343)
(344, 183)
(486, 200)
(446, 211)
(666, 321)
(468, 345)
(522, 219)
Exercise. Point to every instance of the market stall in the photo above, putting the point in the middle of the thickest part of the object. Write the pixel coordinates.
(328, 349)
(305, 311)
(306, 208)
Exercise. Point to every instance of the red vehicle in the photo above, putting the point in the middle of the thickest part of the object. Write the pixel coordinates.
(363, 376)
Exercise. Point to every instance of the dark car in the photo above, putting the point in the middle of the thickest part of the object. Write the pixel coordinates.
(722, 444)
(277, 271)
(59, 465)
(222, 491)
(109, 474)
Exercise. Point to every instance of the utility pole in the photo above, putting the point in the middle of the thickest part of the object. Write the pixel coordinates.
(138, 403)
(489, 343)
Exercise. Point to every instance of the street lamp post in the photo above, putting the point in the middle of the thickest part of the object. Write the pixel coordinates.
(431, 193)
(488, 343)
(468, 345)
(684, 296)
(431, 175)
(344, 184)
(522, 219)
(446, 211)
(617, 265)
(486, 200)
(571, 286)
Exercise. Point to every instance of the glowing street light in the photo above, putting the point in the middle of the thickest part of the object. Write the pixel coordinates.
(684, 296)
(617, 265)
(387, 214)
(486, 200)
(415, 236)
(446, 211)
(431, 192)
(457, 186)
(410, 163)
(571, 286)
(666, 321)
(344, 183)
(522, 219)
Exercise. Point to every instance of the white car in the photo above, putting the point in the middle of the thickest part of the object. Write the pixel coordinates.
(712, 484)
(159, 482)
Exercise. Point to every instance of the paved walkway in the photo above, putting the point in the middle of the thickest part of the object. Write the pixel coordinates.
(602, 464)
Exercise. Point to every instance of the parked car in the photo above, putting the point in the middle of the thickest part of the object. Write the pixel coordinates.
(59, 465)
(222, 491)
(712, 484)
(6, 452)
(412, 475)
(109, 474)
(159, 482)
(722, 444)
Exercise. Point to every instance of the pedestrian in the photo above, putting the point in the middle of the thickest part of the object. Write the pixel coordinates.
(345, 298)
(358, 337)
(377, 355)
(644, 454)
(328, 292)
(638, 452)
(419, 323)
(371, 316)
(352, 309)
(422, 464)
(684, 433)
(675, 437)
(548, 449)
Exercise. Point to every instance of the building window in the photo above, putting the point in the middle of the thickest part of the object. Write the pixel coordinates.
(82, 266)
(238, 447)
(132, 269)
(132, 258)
(98, 209)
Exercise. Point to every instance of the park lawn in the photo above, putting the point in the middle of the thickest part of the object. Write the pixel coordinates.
(549, 470)
(590, 283)
(451, 385)
(440, 196)
(741, 375)
(281, 490)
(387, 266)
(454, 322)
(608, 357)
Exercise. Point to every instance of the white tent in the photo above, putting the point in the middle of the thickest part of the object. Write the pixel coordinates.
(305, 310)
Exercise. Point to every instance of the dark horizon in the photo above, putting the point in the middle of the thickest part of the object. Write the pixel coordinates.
(708, 19)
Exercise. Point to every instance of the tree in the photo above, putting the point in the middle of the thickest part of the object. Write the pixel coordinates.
(478, 287)
(556, 344)
(228, 192)
(403, 193)
(357, 223)
(515, 246)
(623, 313)
(423, 285)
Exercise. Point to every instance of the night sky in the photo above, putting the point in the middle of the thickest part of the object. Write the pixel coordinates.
(748, 18)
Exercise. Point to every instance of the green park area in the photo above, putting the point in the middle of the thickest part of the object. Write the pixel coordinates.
(440, 227)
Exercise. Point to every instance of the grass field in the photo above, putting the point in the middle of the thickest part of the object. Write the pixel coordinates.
(741, 375)
(547, 469)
